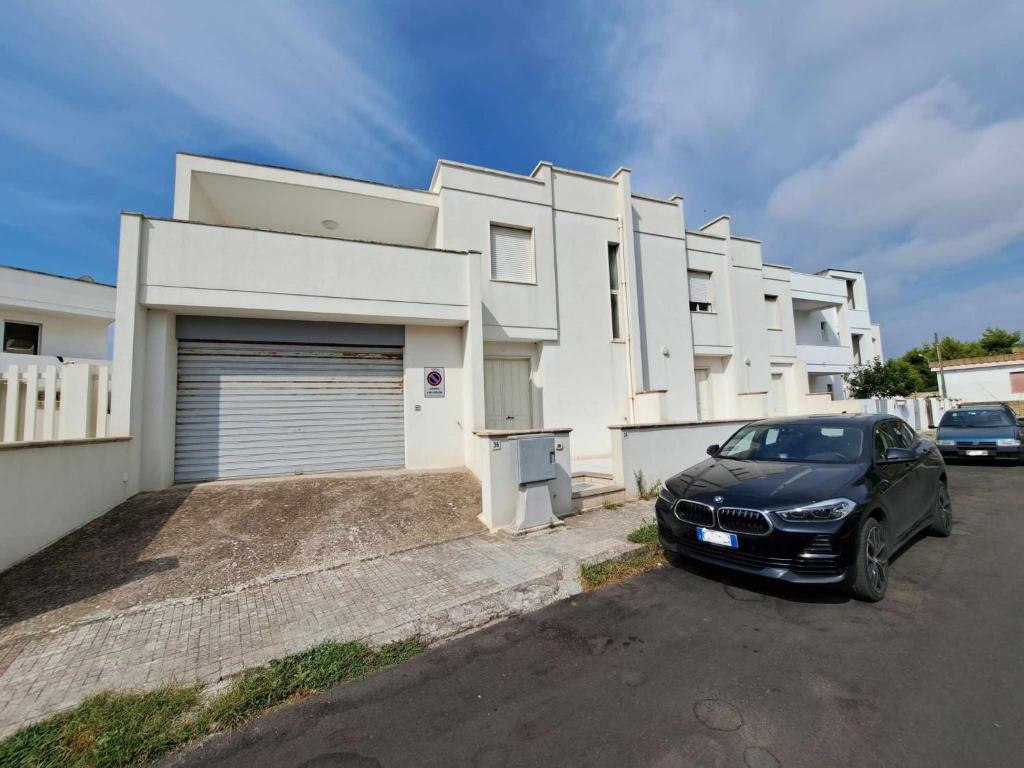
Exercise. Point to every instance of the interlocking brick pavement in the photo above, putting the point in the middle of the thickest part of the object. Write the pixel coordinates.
(432, 592)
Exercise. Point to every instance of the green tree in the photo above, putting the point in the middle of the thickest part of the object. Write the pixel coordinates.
(998, 341)
(954, 349)
(920, 359)
(893, 378)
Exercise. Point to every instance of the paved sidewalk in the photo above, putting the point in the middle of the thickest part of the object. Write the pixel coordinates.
(432, 592)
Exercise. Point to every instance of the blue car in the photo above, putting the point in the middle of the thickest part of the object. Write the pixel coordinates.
(981, 432)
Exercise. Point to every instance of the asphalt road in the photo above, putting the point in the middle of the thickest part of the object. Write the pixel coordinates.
(696, 667)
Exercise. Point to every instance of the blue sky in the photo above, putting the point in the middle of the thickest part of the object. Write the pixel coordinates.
(872, 135)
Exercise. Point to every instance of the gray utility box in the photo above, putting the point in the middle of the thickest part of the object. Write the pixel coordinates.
(535, 459)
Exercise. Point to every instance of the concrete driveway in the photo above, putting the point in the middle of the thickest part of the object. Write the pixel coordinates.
(697, 667)
(194, 540)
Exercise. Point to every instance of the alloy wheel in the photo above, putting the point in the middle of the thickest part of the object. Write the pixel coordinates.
(877, 563)
(945, 510)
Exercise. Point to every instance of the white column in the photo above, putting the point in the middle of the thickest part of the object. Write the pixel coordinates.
(160, 393)
(129, 345)
(13, 379)
(28, 425)
(75, 386)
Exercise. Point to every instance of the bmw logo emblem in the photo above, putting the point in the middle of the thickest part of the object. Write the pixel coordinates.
(719, 499)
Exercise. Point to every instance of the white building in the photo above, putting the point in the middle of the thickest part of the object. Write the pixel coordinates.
(285, 321)
(834, 331)
(999, 378)
(44, 317)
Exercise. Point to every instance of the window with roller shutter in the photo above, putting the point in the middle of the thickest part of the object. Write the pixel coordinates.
(700, 291)
(512, 255)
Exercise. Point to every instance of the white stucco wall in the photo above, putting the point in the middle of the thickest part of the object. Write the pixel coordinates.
(983, 383)
(50, 490)
(433, 425)
(661, 451)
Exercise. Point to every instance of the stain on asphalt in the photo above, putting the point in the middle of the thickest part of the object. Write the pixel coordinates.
(759, 757)
(491, 756)
(632, 678)
(718, 715)
(743, 595)
(341, 760)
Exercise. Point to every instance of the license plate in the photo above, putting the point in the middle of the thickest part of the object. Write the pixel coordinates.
(977, 453)
(721, 538)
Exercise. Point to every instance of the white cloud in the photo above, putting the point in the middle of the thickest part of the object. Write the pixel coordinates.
(873, 135)
(924, 187)
(294, 78)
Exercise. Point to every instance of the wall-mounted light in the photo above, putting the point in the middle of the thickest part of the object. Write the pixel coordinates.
(329, 224)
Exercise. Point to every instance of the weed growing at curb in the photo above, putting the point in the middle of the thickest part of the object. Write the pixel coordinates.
(133, 729)
(645, 534)
(644, 489)
(644, 559)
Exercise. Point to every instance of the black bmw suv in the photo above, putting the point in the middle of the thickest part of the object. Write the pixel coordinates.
(814, 499)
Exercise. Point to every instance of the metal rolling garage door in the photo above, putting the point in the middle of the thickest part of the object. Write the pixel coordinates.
(246, 409)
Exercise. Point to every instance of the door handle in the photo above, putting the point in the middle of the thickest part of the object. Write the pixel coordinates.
(509, 417)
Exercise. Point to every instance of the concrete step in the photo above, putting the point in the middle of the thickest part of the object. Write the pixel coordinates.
(594, 492)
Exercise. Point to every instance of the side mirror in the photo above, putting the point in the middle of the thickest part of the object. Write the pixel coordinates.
(1020, 422)
(931, 426)
(713, 449)
(899, 454)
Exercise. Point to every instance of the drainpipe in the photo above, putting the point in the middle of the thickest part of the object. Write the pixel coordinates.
(629, 289)
(626, 309)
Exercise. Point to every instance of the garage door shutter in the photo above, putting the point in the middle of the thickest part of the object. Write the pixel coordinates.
(250, 409)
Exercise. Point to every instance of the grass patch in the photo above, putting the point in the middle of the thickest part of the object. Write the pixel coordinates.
(645, 534)
(649, 556)
(610, 571)
(132, 729)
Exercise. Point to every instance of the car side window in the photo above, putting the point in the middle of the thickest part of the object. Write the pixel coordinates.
(884, 439)
(909, 437)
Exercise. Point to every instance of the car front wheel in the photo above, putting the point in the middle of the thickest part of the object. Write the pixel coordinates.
(942, 524)
(870, 575)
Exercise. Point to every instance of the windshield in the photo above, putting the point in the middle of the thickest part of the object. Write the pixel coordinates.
(976, 417)
(795, 442)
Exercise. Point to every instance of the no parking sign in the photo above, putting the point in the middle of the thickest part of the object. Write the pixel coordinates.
(433, 382)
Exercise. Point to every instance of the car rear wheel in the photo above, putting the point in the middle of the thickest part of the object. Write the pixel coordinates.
(870, 575)
(942, 525)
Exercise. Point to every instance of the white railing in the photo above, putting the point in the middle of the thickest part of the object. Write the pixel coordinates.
(54, 402)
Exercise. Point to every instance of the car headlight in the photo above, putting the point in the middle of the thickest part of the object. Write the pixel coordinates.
(832, 509)
(948, 443)
(666, 495)
(1008, 442)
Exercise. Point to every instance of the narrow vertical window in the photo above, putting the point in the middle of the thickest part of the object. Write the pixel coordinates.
(771, 307)
(613, 287)
(824, 331)
(851, 296)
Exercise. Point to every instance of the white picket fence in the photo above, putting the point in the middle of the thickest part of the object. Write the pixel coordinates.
(54, 402)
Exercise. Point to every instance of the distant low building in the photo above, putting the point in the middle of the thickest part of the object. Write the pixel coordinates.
(44, 317)
(985, 379)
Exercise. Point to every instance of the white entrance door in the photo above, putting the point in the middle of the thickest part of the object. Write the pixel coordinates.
(507, 393)
(778, 395)
(705, 411)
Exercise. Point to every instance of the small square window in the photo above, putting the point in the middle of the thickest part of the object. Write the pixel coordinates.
(1017, 382)
(21, 338)
(512, 258)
